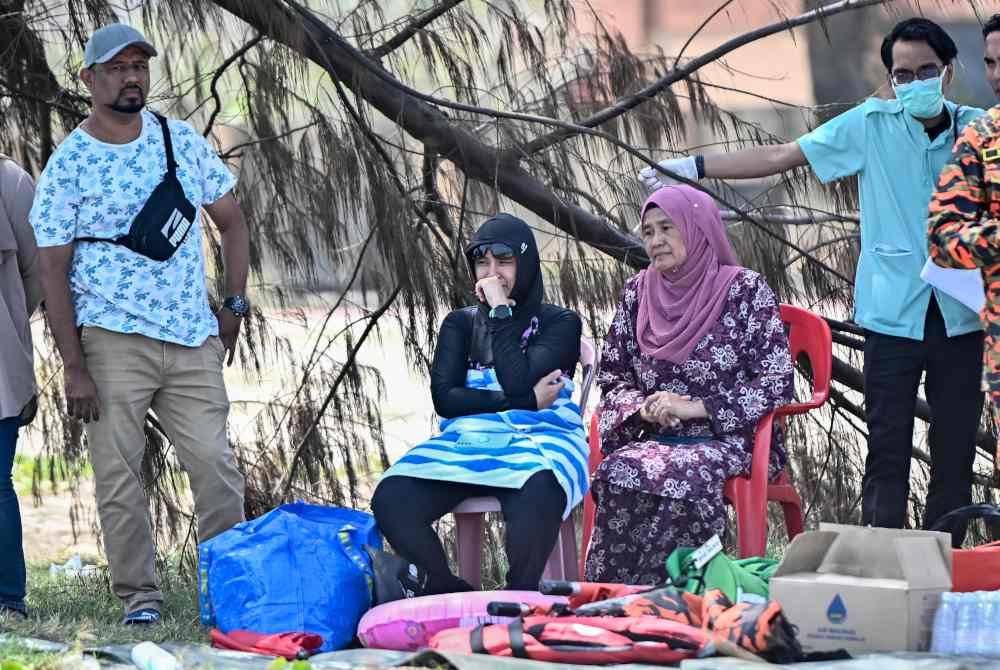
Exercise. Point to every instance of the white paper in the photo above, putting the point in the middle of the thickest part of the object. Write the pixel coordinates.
(965, 286)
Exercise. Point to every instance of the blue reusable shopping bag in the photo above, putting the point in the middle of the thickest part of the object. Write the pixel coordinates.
(298, 568)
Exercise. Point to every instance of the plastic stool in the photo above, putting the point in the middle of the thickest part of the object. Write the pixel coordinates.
(469, 518)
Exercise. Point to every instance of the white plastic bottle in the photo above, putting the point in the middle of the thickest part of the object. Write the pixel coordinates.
(943, 641)
(966, 625)
(148, 656)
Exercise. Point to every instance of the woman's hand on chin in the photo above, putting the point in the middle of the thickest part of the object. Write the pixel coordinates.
(492, 291)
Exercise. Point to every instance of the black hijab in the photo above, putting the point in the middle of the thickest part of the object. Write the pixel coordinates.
(528, 290)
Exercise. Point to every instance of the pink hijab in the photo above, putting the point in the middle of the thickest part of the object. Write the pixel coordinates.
(677, 309)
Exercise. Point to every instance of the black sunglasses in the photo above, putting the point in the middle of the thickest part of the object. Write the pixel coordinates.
(499, 250)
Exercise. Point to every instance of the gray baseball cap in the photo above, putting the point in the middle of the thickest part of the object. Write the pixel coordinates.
(106, 42)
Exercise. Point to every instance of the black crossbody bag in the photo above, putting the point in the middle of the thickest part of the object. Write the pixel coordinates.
(163, 223)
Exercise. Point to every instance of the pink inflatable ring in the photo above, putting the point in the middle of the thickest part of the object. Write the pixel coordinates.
(408, 625)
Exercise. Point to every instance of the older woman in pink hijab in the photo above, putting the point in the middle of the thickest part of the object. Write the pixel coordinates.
(695, 356)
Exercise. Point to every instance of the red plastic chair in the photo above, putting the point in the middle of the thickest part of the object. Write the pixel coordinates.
(808, 334)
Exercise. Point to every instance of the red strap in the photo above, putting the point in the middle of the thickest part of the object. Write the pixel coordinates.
(288, 645)
(222, 641)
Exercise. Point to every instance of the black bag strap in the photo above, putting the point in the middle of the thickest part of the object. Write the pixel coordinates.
(956, 520)
(168, 147)
(476, 640)
(958, 115)
(967, 513)
(516, 633)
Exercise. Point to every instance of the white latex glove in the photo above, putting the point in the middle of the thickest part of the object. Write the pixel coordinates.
(684, 167)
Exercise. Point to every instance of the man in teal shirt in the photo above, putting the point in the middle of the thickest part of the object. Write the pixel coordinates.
(897, 148)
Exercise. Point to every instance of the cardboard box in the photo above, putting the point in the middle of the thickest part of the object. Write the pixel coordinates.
(863, 589)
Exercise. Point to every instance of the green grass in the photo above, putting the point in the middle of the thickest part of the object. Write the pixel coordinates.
(25, 466)
(16, 656)
(82, 611)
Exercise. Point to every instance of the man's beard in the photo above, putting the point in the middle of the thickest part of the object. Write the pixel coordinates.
(129, 107)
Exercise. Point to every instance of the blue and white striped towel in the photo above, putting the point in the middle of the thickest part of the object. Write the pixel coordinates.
(504, 449)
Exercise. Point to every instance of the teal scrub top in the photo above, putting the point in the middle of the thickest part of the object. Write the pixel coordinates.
(897, 167)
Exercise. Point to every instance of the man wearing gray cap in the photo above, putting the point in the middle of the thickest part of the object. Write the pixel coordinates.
(118, 222)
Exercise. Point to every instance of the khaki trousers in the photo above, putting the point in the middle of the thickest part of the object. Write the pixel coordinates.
(185, 389)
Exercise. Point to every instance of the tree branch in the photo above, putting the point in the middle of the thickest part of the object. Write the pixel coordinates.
(428, 124)
(348, 366)
(853, 379)
(677, 74)
(53, 103)
(823, 245)
(249, 143)
(791, 219)
(418, 23)
(236, 55)
(848, 341)
(718, 10)
(432, 199)
(852, 408)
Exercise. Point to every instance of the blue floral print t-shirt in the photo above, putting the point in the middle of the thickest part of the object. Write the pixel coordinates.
(93, 189)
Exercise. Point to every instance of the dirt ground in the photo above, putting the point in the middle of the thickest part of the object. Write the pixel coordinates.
(48, 529)
(407, 414)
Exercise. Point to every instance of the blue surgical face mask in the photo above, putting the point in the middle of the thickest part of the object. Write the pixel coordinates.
(922, 98)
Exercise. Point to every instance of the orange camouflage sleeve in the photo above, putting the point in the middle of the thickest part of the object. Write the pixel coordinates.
(961, 233)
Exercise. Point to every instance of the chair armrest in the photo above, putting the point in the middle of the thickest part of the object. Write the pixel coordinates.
(792, 408)
(596, 456)
(761, 455)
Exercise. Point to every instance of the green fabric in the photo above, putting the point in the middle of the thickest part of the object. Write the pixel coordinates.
(732, 577)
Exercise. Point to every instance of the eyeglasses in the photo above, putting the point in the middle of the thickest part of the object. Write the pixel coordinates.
(900, 77)
(499, 250)
(121, 69)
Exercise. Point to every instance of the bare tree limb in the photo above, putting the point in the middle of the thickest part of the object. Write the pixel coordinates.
(718, 10)
(791, 219)
(419, 22)
(249, 143)
(848, 341)
(854, 409)
(348, 366)
(221, 70)
(428, 124)
(823, 245)
(415, 113)
(30, 71)
(845, 327)
(853, 379)
(53, 103)
(432, 199)
(689, 68)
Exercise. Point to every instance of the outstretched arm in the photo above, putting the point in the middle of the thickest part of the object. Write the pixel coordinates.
(836, 149)
(762, 161)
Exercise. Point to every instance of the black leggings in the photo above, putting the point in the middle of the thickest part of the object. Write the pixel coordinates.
(405, 508)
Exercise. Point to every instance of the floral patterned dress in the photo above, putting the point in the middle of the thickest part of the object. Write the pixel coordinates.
(659, 488)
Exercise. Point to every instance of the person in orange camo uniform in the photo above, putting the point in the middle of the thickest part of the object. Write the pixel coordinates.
(964, 216)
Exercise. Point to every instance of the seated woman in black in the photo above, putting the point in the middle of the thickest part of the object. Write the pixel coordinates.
(502, 383)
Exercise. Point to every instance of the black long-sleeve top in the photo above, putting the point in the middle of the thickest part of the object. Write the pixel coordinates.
(556, 345)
